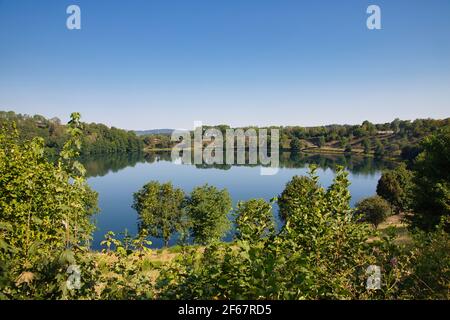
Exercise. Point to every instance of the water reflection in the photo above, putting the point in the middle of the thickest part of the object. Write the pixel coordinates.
(117, 177)
(98, 166)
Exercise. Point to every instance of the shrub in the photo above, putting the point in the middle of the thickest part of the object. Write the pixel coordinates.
(254, 220)
(428, 275)
(432, 181)
(45, 211)
(395, 186)
(298, 193)
(374, 210)
(208, 209)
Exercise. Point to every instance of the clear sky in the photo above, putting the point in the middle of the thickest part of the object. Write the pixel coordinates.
(142, 64)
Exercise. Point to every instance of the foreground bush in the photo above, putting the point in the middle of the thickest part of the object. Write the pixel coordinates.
(319, 253)
(432, 181)
(45, 210)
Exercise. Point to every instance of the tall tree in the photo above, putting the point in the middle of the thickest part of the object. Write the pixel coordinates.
(366, 145)
(160, 209)
(395, 187)
(379, 149)
(295, 145)
(432, 181)
(208, 209)
(321, 141)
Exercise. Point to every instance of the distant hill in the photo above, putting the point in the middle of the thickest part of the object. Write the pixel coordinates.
(153, 131)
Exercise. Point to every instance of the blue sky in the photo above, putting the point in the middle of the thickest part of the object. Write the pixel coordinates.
(143, 64)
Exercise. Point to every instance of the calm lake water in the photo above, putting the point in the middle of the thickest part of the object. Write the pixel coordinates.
(117, 177)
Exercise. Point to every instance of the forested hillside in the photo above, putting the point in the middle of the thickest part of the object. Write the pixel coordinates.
(399, 138)
(96, 139)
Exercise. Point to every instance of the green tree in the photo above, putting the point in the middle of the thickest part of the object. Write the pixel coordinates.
(254, 220)
(432, 181)
(296, 145)
(160, 209)
(395, 186)
(208, 209)
(343, 142)
(379, 149)
(374, 210)
(94, 139)
(366, 145)
(321, 141)
(299, 193)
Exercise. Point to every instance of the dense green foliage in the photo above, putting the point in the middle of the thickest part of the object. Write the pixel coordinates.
(208, 209)
(254, 220)
(395, 186)
(399, 138)
(96, 138)
(393, 136)
(160, 209)
(432, 181)
(158, 141)
(430, 269)
(295, 145)
(374, 210)
(323, 250)
(299, 192)
(45, 208)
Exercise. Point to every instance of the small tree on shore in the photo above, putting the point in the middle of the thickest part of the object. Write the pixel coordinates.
(208, 209)
(160, 209)
(374, 210)
(296, 145)
(395, 187)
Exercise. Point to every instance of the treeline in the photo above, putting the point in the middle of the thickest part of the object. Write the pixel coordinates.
(96, 138)
(399, 138)
(325, 250)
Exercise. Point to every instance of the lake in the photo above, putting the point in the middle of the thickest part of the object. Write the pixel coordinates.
(117, 177)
